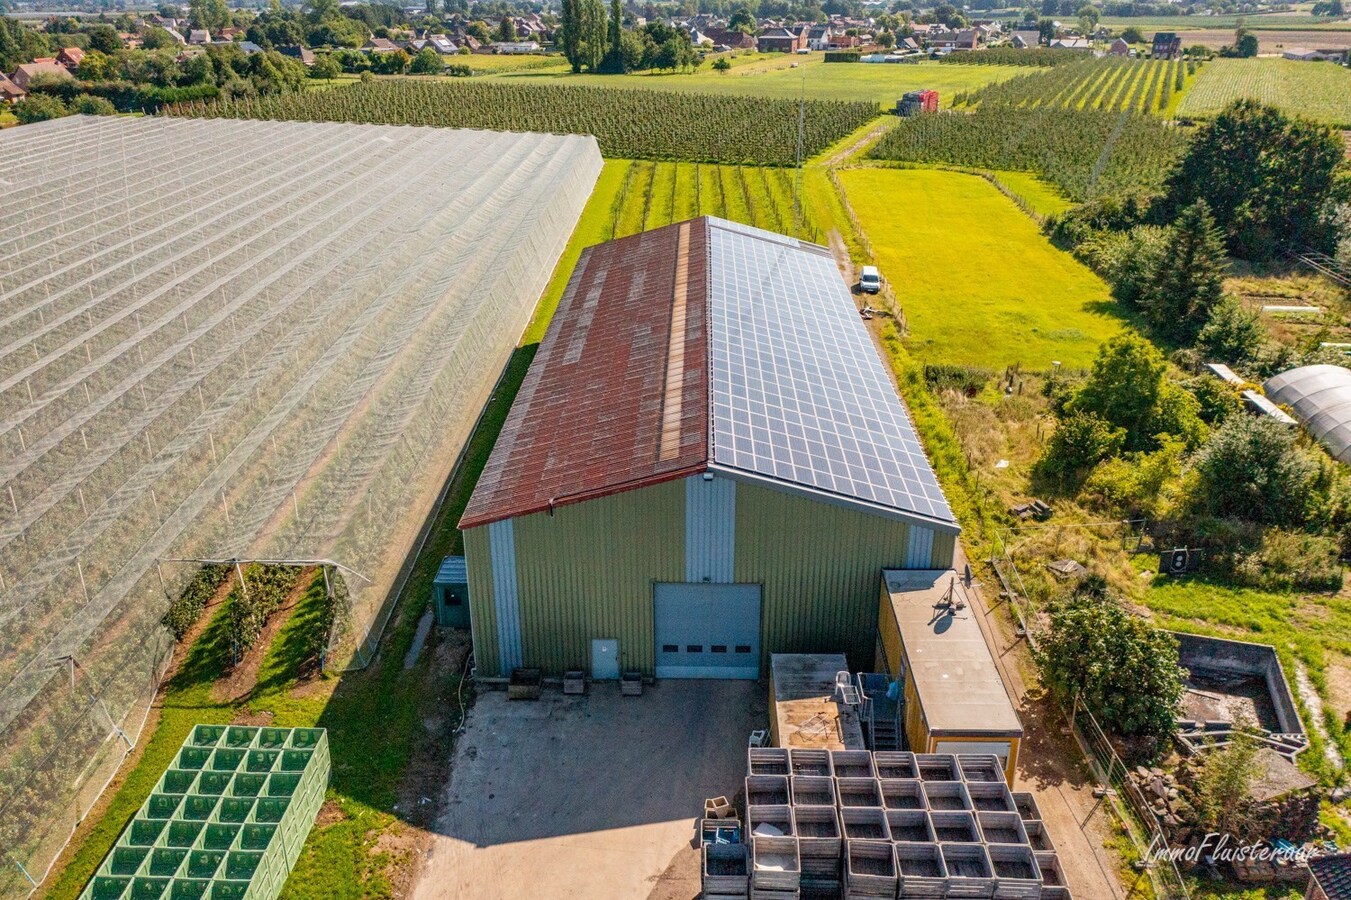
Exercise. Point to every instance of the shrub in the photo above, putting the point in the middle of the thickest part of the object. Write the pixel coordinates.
(252, 603)
(1231, 334)
(87, 105)
(39, 108)
(1252, 469)
(1079, 442)
(187, 608)
(1291, 560)
(966, 380)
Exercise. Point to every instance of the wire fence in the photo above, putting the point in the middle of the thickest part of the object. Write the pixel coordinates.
(1129, 803)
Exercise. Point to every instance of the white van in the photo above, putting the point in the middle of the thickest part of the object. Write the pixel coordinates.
(869, 280)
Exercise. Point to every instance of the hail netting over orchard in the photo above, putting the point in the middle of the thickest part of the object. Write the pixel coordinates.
(226, 339)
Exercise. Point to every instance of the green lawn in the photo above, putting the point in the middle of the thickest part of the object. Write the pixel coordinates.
(977, 282)
(782, 76)
(1316, 90)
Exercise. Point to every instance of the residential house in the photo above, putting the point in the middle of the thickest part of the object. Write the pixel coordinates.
(46, 67)
(199, 36)
(380, 45)
(907, 44)
(9, 91)
(956, 40)
(442, 44)
(1072, 43)
(70, 57)
(1119, 48)
(724, 39)
(697, 37)
(249, 47)
(819, 37)
(1167, 45)
(842, 41)
(781, 40)
(176, 35)
(1025, 39)
(304, 54)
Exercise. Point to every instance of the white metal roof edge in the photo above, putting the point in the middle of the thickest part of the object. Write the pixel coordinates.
(814, 493)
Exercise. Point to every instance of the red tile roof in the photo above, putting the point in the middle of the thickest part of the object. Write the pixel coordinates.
(617, 396)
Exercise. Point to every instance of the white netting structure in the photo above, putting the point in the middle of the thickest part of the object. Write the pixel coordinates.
(227, 339)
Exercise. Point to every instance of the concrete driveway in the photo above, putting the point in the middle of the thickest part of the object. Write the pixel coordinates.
(588, 797)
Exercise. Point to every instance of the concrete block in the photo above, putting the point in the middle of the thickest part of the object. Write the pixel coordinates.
(937, 767)
(767, 761)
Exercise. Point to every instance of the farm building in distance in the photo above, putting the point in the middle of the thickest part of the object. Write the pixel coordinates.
(226, 338)
(707, 464)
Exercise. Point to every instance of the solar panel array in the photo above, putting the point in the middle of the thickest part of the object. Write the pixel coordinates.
(799, 393)
(221, 338)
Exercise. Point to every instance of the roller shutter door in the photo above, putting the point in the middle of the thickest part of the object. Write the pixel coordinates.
(708, 630)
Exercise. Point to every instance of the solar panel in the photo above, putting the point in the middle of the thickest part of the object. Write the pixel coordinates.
(799, 394)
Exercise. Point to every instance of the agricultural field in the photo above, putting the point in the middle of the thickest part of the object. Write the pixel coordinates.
(1225, 23)
(626, 123)
(1319, 91)
(788, 77)
(500, 63)
(1275, 40)
(205, 356)
(1142, 86)
(976, 281)
(1083, 153)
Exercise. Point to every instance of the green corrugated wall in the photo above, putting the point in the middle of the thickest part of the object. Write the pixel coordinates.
(587, 572)
(482, 616)
(820, 565)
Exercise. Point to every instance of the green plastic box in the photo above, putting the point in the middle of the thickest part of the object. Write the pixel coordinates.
(226, 821)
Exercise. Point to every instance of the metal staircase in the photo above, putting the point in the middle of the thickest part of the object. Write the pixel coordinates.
(880, 714)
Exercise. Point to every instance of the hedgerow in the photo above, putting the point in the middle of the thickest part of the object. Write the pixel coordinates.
(187, 608)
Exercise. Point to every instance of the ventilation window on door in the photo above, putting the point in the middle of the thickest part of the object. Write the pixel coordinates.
(743, 648)
(670, 648)
(718, 648)
(694, 648)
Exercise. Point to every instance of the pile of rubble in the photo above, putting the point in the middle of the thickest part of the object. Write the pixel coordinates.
(1160, 790)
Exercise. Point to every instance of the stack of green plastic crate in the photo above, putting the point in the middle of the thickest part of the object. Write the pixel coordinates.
(226, 821)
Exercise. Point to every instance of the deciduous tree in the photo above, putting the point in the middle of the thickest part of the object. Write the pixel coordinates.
(1121, 668)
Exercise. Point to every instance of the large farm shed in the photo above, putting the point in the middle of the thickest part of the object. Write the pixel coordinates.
(225, 339)
(707, 464)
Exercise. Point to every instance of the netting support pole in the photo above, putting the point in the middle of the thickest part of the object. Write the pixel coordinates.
(328, 595)
(80, 569)
(24, 871)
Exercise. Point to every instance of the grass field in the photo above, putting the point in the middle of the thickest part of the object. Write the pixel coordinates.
(1041, 197)
(977, 282)
(1319, 91)
(774, 75)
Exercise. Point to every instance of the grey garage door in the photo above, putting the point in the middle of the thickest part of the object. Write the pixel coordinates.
(708, 630)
